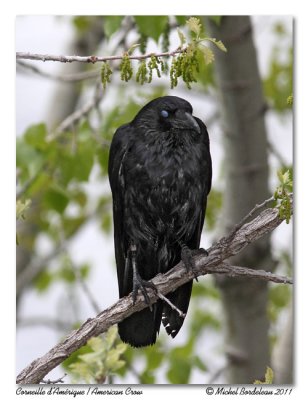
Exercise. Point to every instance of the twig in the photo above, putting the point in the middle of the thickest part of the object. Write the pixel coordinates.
(212, 263)
(25, 277)
(49, 382)
(162, 297)
(249, 215)
(86, 291)
(217, 374)
(37, 264)
(93, 59)
(233, 271)
(77, 115)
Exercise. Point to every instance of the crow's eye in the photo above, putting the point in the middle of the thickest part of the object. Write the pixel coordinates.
(164, 113)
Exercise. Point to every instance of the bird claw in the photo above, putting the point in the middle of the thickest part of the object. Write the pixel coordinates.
(203, 251)
(188, 260)
(139, 283)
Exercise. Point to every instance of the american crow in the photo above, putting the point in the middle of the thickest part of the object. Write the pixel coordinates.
(160, 174)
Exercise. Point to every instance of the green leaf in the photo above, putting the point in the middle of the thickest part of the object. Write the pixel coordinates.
(101, 359)
(111, 336)
(147, 377)
(194, 25)
(202, 320)
(72, 224)
(181, 36)
(21, 208)
(180, 363)
(215, 200)
(82, 23)
(28, 160)
(84, 271)
(112, 362)
(106, 222)
(279, 296)
(179, 371)
(95, 343)
(269, 378)
(56, 198)
(290, 100)
(35, 136)
(111, 24)
(66, 272)
(155, 356)
(43, 280)
(217, 43)
(181, 19)
(78, 165)
(206, 289)
(66, 364)
(198, 363)
(208, 54)
(151, 26)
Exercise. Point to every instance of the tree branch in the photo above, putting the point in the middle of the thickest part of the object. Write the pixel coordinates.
(93, 59)
(54, 382)
(213, 263)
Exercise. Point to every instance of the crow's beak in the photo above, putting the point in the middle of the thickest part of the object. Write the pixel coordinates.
(186, 121)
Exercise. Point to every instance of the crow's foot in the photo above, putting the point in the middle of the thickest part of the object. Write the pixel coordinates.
(139, 283)
(188, 259)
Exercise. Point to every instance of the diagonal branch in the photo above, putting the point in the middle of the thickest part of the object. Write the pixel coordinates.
(213, 263)
(77, 115)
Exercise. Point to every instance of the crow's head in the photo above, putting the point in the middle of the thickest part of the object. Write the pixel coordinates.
(168, 113)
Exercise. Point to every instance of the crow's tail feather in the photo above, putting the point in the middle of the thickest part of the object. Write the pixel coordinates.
(172, 321)
(141, 329)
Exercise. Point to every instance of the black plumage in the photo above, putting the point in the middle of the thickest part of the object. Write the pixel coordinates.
(160, 174)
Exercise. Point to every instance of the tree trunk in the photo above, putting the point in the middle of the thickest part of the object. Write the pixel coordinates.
(246, 184)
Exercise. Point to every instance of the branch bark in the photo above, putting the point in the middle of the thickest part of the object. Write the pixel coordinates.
(92, 59)
(213, 263)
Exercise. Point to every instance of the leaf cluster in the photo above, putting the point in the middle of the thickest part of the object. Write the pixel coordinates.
(269, 378)
(185, 62)
(283, 196)
(102, 358)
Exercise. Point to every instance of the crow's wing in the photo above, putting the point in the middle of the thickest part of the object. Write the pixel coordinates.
(118, 151)
(141, 328)
(181, 296)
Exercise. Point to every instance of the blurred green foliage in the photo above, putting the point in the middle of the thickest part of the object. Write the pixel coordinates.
(278, 84)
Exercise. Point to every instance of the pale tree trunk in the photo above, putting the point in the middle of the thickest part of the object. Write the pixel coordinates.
(246, 184)
(66, 95)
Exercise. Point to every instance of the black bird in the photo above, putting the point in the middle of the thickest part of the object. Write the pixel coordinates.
(160, 174)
